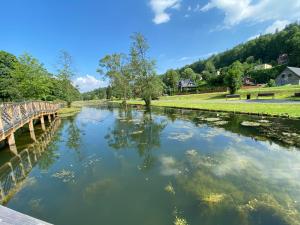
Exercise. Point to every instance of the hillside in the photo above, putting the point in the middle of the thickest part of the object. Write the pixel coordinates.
(265, 48)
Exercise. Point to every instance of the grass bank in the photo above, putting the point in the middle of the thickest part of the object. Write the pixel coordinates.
(65, 112)
(76, 107)
(282, 92)
(283, 110)
(216, 102)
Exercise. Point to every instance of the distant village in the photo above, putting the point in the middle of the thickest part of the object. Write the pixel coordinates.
(289, 76)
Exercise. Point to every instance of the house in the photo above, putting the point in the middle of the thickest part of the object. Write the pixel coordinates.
(248, 81)
(263, 67)
(186, 85)
(283, 59)
(291, 75)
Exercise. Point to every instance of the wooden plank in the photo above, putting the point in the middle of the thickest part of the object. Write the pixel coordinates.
(12, 217)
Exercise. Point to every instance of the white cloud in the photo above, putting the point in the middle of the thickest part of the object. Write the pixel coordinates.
(88, 83)
(237, 11)
(253, 37)
(160, 7)
(278, 25)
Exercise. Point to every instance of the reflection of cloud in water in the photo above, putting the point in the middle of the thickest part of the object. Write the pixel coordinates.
(210, 133)
(168, 166)
(278, 166)
(90, 115)
(181, 136)
(183, 125)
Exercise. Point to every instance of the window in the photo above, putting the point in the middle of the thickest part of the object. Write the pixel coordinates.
(290, 75)
(283, 75)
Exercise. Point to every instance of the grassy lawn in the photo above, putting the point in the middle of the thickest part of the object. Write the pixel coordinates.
(65, 112)
(76, 107)
(216, 101)
(282, 92)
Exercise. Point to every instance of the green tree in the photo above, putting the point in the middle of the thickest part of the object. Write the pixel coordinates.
(108, 92)
(116, 68)
(189, 73)
(147, 84)
(7, 66)
(233, 77)
(171, 79)
(66, 71)
(271, 83)
(30, 79)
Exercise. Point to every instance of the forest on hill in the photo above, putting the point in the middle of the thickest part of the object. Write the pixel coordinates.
(265, 48)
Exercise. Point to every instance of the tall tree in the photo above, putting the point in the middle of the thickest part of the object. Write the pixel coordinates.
(66, 71)
(7, 66)
(233, 77)
(31, 79)
(116, 68)
(147, 84)
(189, 73)
(171, 79)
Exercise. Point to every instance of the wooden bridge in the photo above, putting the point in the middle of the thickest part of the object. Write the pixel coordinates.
(15, 115)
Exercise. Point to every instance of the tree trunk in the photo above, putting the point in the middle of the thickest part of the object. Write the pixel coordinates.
(147, 101)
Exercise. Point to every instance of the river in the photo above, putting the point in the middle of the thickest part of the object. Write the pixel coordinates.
(112, 166)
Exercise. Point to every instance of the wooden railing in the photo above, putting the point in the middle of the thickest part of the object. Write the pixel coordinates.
(14, 115)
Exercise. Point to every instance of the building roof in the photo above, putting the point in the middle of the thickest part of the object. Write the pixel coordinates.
(187, 83)
(296, 70)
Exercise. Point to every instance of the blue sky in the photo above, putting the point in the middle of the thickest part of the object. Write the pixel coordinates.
(178, 31)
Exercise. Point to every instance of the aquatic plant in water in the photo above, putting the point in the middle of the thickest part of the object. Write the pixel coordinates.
(250, 124)
(65, 175)
(170, 189)
(180, 221)
(241, 189)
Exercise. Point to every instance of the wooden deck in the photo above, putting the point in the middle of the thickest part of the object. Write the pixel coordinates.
(12, 217)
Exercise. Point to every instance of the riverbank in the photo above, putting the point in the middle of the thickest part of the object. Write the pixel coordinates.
(76, 107)
(265, 109)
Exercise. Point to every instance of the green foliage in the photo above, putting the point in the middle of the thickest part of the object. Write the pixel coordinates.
(25, 78)
(99, 93)
(116, 68)
(147, 84)
(233, 78)
(7, 65)
(108, 92)
(271, 83)
(30, 79)
(263, 76)
(265, 48)
(171, 79)
(66, 71)
(189, 73)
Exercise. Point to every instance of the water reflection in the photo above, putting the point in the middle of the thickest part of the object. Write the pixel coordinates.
(181, 165)
(137, 130)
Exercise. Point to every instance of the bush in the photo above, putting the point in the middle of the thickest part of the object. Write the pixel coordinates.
(264, 76)
(271, 83)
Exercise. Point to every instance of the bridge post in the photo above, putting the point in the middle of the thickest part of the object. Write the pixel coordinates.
(31, 130)
(49, 118)
(43, 123)
(1, 124)
(12, 143)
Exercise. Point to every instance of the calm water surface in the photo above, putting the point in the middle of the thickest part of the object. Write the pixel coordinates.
(110, 166)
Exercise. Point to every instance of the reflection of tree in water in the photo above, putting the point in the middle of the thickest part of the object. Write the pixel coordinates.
(137, 131)
(74, 135)
(50, 156)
